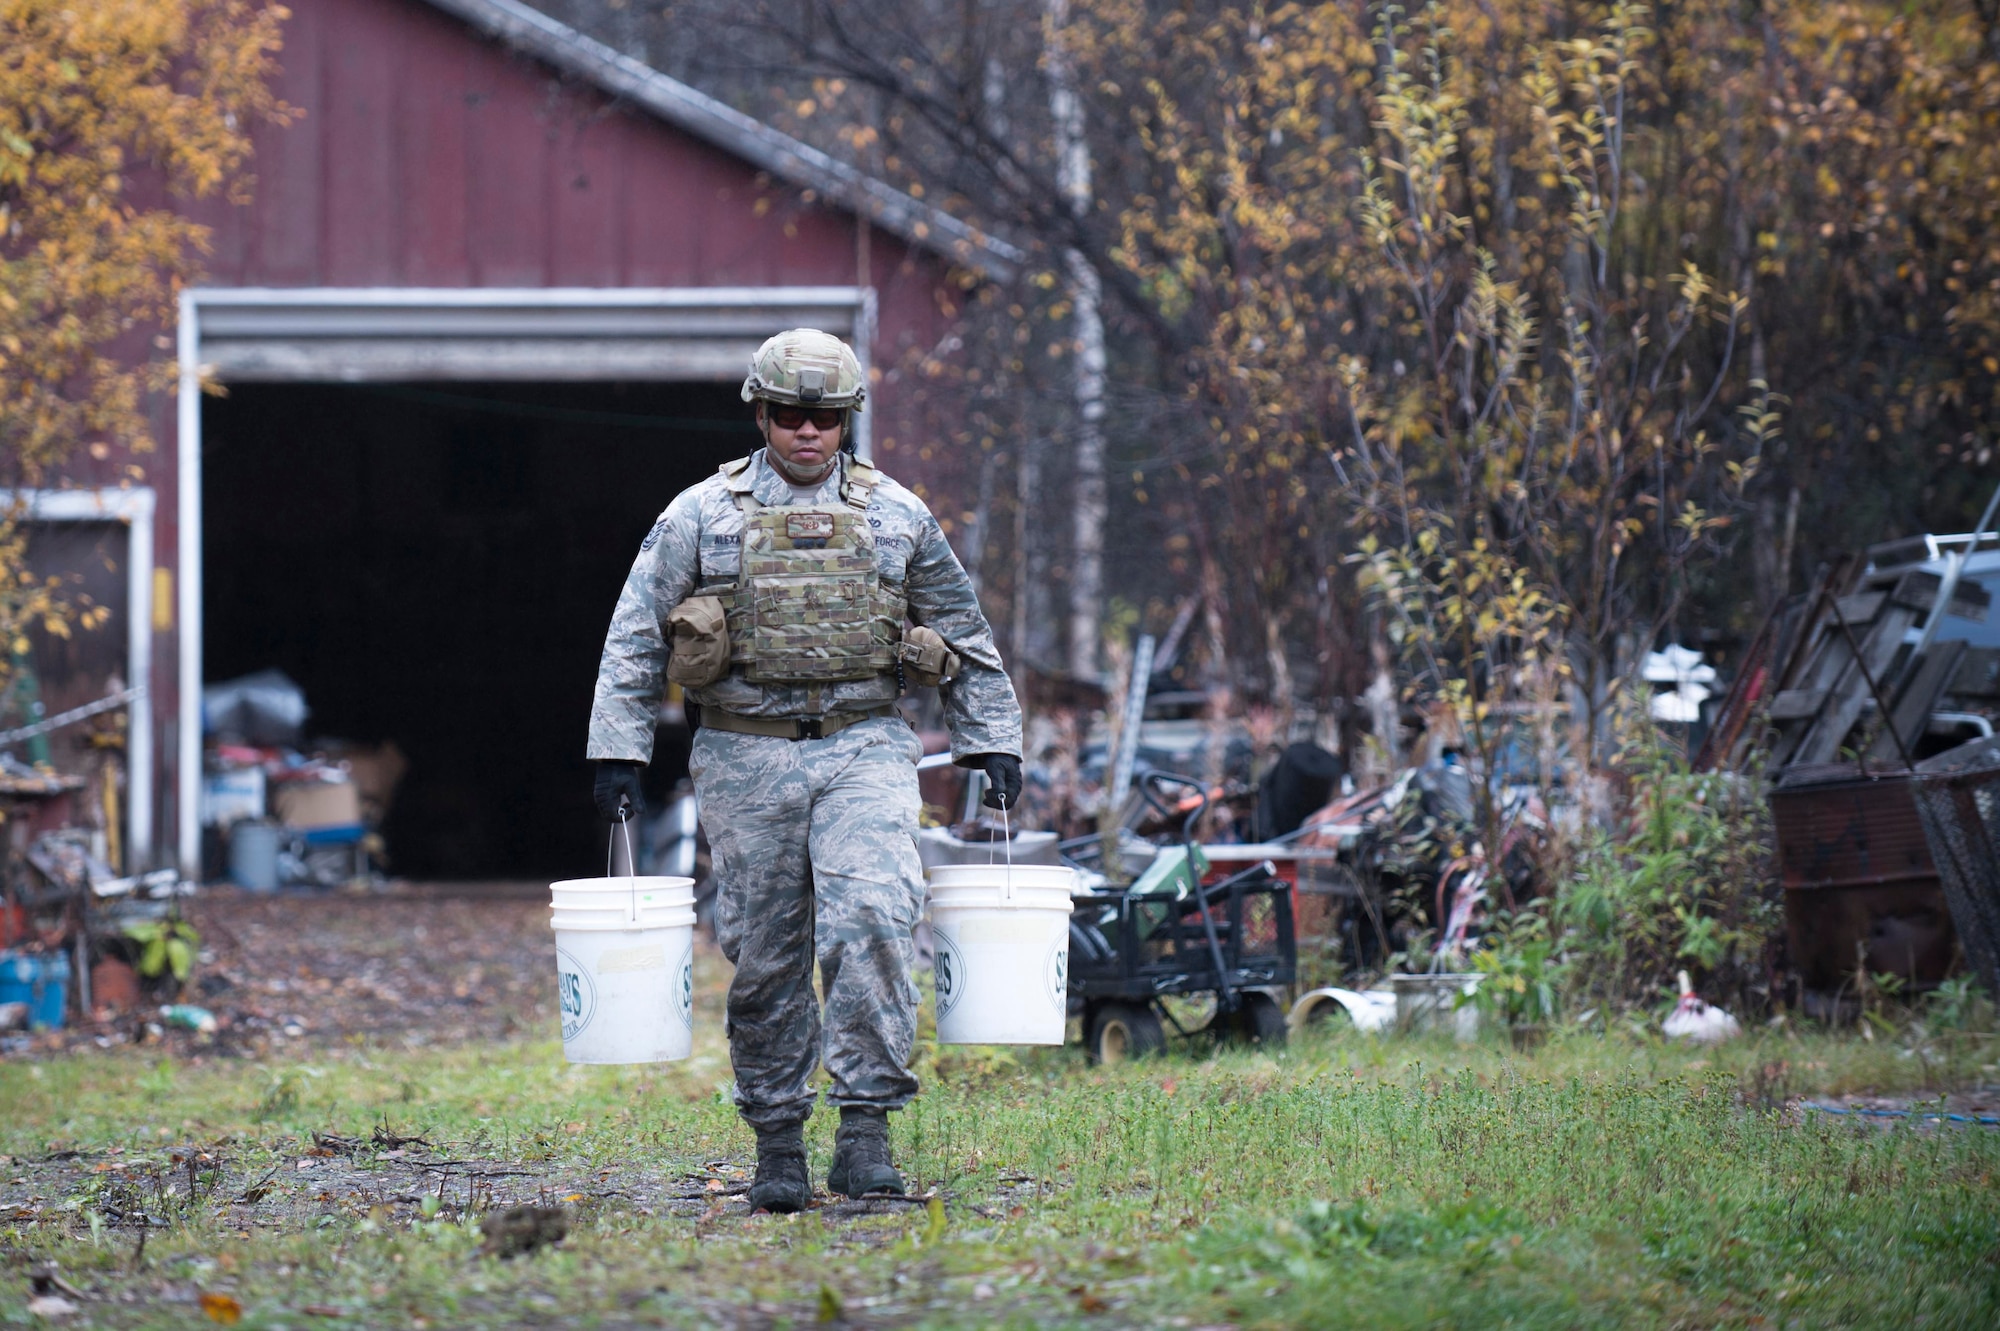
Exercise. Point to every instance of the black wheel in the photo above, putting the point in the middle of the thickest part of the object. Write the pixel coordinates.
(1258, 1020)
(1123, 1031)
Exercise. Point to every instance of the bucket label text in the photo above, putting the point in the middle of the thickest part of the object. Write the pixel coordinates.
(1057, 975)
(576, 995)
(950, 968)
(684, 990)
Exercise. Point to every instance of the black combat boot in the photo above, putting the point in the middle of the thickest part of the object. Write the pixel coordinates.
(782, 1185)
(861, 1165)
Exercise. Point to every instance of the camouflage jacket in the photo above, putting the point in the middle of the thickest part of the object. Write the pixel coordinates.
(699, 539)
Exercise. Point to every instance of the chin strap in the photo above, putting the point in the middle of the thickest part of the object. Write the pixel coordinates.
(790, 473)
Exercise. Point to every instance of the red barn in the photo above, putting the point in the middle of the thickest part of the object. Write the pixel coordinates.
(484, 316)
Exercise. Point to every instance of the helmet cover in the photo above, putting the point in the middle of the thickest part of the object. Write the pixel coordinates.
(804, 367)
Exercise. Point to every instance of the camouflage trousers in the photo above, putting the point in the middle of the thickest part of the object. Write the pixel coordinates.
(815, 855)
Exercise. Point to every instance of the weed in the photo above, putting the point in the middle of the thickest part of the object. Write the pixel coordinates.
(166, 947)
(159, 1083)
(1958, 1004)
(281, 1091)
(1520, 977)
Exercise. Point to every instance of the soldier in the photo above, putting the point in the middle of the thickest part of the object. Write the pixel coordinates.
(776, 593)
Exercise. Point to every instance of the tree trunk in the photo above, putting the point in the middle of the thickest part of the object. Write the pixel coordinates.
(982, 521)
(1283, 700)
(1384, 708)
(1086, 584)
(1025, 566)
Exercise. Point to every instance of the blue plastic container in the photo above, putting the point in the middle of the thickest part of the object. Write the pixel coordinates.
(253, 854)
(39, 979)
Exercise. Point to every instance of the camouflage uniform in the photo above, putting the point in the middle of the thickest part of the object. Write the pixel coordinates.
(814, 840)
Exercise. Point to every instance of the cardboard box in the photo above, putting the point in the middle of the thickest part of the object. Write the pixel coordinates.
(309, 804)
(376, 772)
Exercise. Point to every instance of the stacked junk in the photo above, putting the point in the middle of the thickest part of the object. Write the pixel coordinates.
(77, 922)
(80, 938)
(276, 814)
(1870, 704)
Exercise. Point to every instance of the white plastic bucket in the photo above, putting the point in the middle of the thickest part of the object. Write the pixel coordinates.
(1002, 935)
(1430, 1003)
(625, 968)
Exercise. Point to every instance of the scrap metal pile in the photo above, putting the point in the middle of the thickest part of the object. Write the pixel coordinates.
(1882, 680)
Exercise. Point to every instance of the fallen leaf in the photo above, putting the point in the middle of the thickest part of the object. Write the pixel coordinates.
(575, 1129)
(573, 1197)
(222, 1308)
(323, 1310)
(1089, 1302)
(1169, 1086)
(1016, 1212)
(715, 1185)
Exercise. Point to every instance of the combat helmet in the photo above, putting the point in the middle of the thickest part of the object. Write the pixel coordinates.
(804, 367)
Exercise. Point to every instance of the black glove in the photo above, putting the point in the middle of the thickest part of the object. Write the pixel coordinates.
(1003, 780)
(618, 779)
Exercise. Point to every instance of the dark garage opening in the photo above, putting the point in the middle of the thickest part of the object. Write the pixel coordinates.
(436, 565)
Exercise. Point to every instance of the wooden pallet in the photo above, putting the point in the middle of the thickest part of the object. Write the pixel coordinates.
(1850, 681)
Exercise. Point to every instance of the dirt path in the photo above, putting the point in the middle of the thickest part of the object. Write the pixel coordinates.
(419, 965)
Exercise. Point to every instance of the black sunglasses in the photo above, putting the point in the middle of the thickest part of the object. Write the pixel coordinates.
(823, 418)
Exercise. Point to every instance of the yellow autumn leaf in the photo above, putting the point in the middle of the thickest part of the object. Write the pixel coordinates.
(222, 1308)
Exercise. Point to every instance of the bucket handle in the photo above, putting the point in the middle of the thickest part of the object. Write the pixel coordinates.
(631, 864)
(1007, 834)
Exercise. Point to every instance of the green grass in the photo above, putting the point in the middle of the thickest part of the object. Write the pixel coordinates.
(1600, 1180)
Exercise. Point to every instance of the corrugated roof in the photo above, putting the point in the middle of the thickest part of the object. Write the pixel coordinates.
(755, 142)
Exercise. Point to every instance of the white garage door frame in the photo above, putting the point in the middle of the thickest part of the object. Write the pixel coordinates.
(232, 335)
(131, 507)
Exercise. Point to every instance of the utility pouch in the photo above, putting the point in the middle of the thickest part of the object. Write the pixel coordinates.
(700, 629)
(927, 661)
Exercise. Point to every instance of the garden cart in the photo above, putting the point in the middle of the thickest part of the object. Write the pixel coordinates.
(1168, 935)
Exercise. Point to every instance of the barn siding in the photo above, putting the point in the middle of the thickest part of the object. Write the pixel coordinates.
(429, 156)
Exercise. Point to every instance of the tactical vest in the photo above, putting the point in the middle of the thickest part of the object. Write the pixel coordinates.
(809, 605)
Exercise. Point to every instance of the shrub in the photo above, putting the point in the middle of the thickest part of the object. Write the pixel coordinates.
(1520, 978)
(1686, 883)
